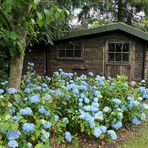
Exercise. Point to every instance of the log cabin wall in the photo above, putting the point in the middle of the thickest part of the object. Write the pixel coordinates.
(146, 62)
(94, 56)
(36, 55)
(138, 59)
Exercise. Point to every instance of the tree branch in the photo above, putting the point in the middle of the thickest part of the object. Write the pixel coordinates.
(6, 19)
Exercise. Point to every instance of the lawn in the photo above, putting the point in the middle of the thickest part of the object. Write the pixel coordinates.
(139, 138)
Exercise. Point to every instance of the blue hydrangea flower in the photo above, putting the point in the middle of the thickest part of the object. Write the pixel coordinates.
(96, 99)
(123, 108)
(47, 125)
(87, 108)
(117, 125)
(47, 113)
(28, 127)
(12, 90)
(109, 78)
(42, 110)
(90, 120)
(113, 134)
(95, 104)
(28, 90)
(103, 129)
(45, 136)
(68, 136)
(35, 99)
(91, 74)
(83, 87)
(135, 121)
(28, 81)
(94, 109)
(117, 101)
(80, 99)
(26, 111)
(82, 95)
(99, 115)
(102, 83)
(11, 135)
(142, 90)
(47, 97)
(44, 85)
(86, 100)
(56, 118)
(1, 91)
(142, 116)
(97, 93)
(97, 132)
(12, 144)
(80, 104)
(12, 111)
(16, 119)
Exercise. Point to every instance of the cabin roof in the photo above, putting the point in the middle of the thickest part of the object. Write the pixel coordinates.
(107, 28)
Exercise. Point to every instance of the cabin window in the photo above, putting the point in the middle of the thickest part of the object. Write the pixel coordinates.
(69, 50)
(118, 52)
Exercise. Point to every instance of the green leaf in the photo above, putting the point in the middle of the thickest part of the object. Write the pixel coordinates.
(40, 145)
(40, 22)
(13, 35)
(82, 127)
(39, 15)
(14, 127)
(12, 51)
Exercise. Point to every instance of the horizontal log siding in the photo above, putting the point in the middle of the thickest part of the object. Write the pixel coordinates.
(93, 57)
(36, 56)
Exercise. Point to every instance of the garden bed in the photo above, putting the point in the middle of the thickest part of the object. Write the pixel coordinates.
(70, 110)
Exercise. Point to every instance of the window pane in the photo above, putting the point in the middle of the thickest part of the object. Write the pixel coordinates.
(69, 53)
(77, 45)
(61, 53)
(126, 47)
(111, 57)
(61, 46)
(112, 47)
(69, 45)
(125, 57)
(118, 57)
(118, 47)
(77, 53)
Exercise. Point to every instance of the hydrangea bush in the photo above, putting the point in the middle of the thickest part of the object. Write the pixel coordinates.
(61, 106)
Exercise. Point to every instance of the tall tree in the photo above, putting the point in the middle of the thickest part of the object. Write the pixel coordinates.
(127, 11)
(22, 21)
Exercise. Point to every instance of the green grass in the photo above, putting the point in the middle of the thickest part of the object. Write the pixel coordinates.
(140, 138)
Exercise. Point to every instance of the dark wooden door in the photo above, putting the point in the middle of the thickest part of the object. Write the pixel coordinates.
(115, 69)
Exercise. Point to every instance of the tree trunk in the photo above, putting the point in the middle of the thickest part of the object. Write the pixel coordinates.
(16, 67)
(119, 17)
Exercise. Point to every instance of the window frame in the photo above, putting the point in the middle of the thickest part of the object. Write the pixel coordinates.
(121, 52)
(74, 49)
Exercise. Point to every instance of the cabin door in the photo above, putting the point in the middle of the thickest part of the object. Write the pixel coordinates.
(117, 59)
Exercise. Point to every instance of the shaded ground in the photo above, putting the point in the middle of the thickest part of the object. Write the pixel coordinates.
(129, 137)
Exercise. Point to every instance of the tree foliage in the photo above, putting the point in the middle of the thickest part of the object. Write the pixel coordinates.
(128, 11)
(21, 22)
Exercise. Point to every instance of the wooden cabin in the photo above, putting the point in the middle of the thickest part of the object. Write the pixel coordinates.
(108, 50)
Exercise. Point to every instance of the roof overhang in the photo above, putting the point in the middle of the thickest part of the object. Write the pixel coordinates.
(106, 28)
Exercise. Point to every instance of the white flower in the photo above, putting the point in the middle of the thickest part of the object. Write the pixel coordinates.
(140, 99)
(143, 81)
(133, 83)
(106, 109)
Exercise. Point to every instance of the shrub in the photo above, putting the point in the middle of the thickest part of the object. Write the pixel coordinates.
(61, 106)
